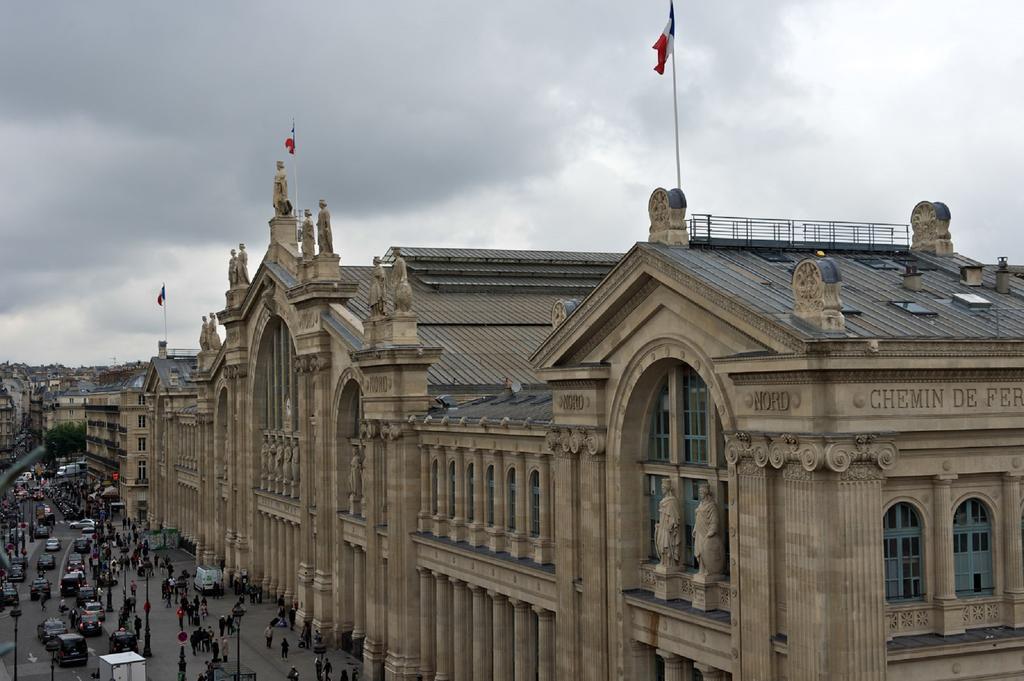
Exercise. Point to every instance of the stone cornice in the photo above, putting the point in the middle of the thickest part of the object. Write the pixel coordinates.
(842, 376)
(835, 452)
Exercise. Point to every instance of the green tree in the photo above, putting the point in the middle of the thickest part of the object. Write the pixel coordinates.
(64, 440)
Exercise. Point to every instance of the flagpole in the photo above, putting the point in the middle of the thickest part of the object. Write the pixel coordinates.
(675, 114)
(163, 289)
(295, 169)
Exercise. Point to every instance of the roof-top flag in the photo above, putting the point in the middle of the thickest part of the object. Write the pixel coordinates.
(162, 297)
(664, 44)
(289, 143)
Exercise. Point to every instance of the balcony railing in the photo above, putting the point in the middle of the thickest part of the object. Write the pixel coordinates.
(716, 230)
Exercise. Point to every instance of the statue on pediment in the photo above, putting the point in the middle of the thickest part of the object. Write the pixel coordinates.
(308, 243)
(707, 540)
(323, 229)
(282, 204)
(666, 532)
(355, 476)
(242, 265)
(204, 336)
(401, 290)
(233, 270)
(378, 287)
(212, 337)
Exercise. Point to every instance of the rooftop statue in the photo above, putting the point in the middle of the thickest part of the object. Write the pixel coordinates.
(402, 291)
(242, 265)
(323, 229)
(308, 245)
(282, 204)
(233, 270)
(378, 306)
(213, 338)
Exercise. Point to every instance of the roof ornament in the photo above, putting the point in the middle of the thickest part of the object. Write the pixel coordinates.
(816, 293)
(561, 309)
(930, 223)
(667, 210)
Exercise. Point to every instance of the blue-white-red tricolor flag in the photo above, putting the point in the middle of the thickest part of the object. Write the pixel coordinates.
(289, 143)
(162, 297)
(664, 44)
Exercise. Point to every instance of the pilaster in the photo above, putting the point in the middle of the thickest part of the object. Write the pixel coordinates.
(1014, 590)
(947, 609)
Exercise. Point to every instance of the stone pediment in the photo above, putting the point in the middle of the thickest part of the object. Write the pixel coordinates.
(642, 275)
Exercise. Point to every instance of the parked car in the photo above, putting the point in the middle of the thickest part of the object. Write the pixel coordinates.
(39, 587)
(46, 562)
(51, 628)
(52, 544)
(122, 641)
(73, 650)
(89, 625)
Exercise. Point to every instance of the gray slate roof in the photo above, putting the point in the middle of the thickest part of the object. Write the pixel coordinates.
(535, 406)
(871, 282)
(180, 367)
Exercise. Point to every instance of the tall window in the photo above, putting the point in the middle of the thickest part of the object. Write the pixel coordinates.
(972, 549)
(490, 496)
(433, 487)
(142, 469)
(277, 377)
(470, 494)
(451, 489)
(142, 444)
(660, 418)
(535, 504)
(901, 541)
(654, 483)
(694, 406)
(142, 420)
(511, 500)
(142, 399)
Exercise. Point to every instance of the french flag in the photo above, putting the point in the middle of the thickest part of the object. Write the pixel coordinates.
(162, 297)
(289, 143)
(664, 44)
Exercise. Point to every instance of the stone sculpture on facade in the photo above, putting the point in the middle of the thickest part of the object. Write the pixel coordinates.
(707, 542)
(204, 342)
(282, 204)
(930, 223)
(233, 270)
(816, 293)
(242, 265)
(401, 291)
(264, 462)
(308, 243)
(666, 532)
(378, 304)
(323, 229)
(667, 210)
(212, 337)
(295, 464)
(355, 476)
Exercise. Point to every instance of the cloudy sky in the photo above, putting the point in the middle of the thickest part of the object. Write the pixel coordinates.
(140, 138)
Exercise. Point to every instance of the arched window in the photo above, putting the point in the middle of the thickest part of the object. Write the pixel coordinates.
(490, 496)
(470, 511)
(511, 500)
(451, 489)
(695, 416)
(901, 542)
(433, 487)
(660, 418)
(972, 549)
(535, 504)
(277, 387)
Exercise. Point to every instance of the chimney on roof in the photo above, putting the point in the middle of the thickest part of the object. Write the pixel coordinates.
(161, 349)
(1003, 276)
(912, 278)
(971, 275)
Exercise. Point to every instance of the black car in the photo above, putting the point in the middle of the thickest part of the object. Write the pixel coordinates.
(122, 641)
(46, 562)
(8, 595)
(86, 593)
(69, 584)
(17, 573)
(42, 532)
(73, 650)
(89, 625)
(39, 587)
(81, 545)
(51, 628)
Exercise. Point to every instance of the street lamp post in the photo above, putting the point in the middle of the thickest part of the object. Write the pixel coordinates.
(146, 650)
(16, 613)
(238, 611)
(53, 645)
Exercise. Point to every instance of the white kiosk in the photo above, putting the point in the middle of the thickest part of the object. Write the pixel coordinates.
(127, 666)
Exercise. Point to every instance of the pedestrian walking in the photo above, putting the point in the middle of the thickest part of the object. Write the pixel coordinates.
(291, 617)
(327, 669)
(318, 668)
(293, 674)
(216, 649)
(284, 649)
(224, 647)
(222, 623)
(268, 634)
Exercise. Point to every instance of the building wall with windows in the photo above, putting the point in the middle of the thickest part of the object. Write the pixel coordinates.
(115, 437)
(712, 457)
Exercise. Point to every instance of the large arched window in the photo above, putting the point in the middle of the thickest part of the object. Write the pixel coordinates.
(510, 495)
(535, 504)
(682, 398)
(434, 487)
(972, 549)
(451, 489)
(902, 547)
(470, 494)
(277, 388)
(490, 496)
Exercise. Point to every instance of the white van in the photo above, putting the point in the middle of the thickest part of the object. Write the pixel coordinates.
(206, 577)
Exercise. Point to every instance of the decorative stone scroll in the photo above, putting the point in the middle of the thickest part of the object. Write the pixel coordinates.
(566, 440)
(816, 293)
(385, 430)
(311, 364)
(236, 371)
(930, 224)
(836, 453)
(667, 210)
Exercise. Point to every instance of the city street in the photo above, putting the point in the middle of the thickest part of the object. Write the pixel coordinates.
(33, 661)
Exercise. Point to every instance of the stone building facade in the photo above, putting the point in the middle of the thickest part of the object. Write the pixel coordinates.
(747, 449)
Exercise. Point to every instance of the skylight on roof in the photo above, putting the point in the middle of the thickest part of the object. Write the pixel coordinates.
(972, 301)
(774, 256)
(879, 264)
(913, 308)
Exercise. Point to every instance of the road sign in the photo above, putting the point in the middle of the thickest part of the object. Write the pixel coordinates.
(182, 638)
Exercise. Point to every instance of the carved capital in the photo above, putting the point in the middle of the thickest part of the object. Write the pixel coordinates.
(236, 371)
(742, 445)
(565, 440)
(311, 364)
(862, 448)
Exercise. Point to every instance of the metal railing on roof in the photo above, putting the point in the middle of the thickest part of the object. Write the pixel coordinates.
(717, 230)
(173, 353)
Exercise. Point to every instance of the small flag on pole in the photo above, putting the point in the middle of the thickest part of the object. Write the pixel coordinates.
(162, 297)
(289, 143)
(664, 44)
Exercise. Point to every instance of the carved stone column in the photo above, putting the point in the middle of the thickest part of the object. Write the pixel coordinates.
(677, 668)
(567, 546)
(457, 528)
(523, 647)
(497, 533)
(709, 673)
(545, 645)
(1014, 560)
(424, 515)
(442, 588)
(462, 621)
(520, 541)
(501, 638)
(950, 620)
(483, 655)
(359, 598)
(427, 620)
(346, 594)
(476, 528)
